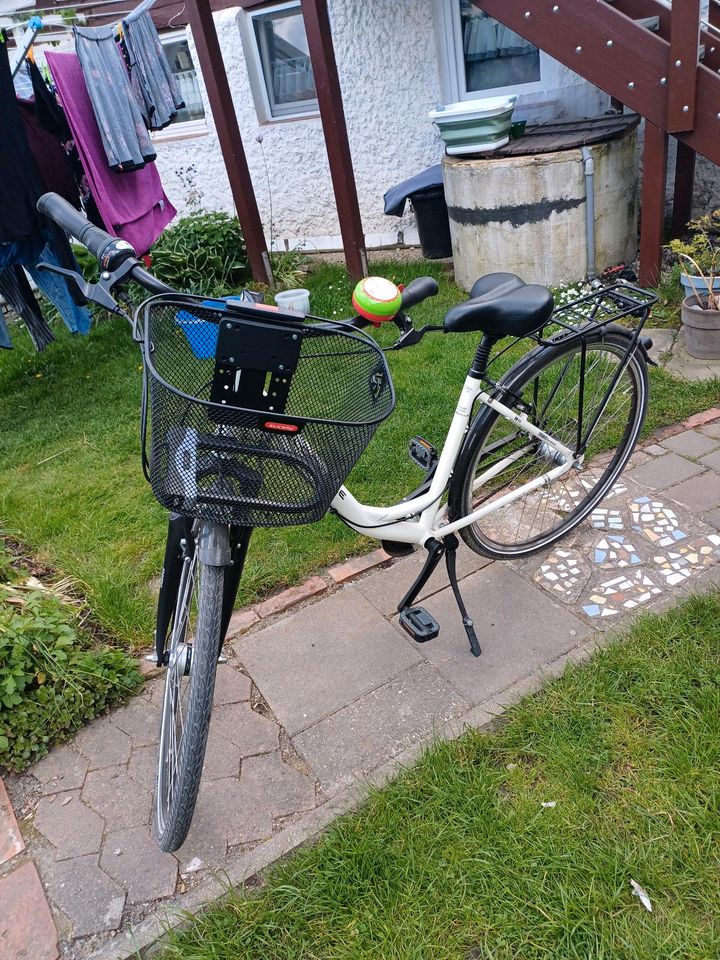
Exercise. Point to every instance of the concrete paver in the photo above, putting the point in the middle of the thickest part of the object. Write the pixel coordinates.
(133, 859)
(142, 766)
(240, 725)
(664, 473)
(317, 660)
(11, 841)
(27, 931)
(62, 769)
(100, 749)
(699, 493)
(713, 518)
(711, 430)
(231, 686)
(712, 460)
(352, 742)
(690, 443)
(246, 817)
(87, 896)
(117, 798)
(282, 788)
(69, 825)
(140, 720)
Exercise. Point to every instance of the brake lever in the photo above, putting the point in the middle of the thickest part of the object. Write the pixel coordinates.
(98, 293)
(413, 336)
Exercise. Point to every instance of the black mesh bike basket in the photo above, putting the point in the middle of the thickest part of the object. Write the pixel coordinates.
(256, 418)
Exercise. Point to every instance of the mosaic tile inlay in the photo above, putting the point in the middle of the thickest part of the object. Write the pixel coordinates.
(646, 548)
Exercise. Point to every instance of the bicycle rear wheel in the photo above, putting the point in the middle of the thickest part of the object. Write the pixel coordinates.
(188, 698)
(556, 398)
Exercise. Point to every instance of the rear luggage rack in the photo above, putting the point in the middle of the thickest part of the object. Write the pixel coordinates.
(598, 309)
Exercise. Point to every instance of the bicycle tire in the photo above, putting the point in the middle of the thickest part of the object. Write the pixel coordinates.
(518, 378)
(172, 820)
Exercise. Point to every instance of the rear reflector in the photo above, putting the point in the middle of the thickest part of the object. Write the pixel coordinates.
(281, 427)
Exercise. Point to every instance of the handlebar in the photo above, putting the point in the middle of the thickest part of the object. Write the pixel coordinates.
(418, 290)
(110, 251)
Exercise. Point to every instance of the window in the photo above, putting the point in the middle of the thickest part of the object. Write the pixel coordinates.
(178, 54)
(278, 57)
(481, 57)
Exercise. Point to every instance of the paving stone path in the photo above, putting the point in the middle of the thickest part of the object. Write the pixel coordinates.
(319, 700)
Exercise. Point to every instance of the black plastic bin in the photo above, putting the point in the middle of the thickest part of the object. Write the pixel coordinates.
(426, 193)
(433, 223)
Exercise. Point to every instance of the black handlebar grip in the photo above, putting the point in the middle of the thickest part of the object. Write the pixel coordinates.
(109, 250)
(418, 290)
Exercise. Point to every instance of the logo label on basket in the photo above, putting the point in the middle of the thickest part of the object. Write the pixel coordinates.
(281, 427)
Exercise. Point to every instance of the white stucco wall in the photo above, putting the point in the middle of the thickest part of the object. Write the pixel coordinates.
(390, 81)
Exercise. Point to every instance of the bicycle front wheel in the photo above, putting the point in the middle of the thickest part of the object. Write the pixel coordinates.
(188, 698)
(563, 391)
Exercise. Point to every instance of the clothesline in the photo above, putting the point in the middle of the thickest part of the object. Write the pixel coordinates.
(36, 23)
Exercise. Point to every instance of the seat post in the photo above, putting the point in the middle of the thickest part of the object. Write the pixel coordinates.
(482, 355)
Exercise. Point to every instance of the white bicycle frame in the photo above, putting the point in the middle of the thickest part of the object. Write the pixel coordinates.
(416, 521)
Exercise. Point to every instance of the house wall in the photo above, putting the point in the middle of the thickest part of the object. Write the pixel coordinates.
(388, 61)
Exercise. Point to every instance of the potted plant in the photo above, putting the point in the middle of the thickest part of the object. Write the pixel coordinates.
(699, 257)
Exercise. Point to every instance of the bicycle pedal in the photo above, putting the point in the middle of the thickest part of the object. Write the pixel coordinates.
(419, 624)
(422, 453)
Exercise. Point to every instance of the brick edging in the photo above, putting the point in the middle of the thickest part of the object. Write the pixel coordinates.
(248, 617)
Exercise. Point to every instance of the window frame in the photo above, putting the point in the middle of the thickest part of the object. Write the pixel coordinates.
(253, 59)
(182, 129)
(453, 83)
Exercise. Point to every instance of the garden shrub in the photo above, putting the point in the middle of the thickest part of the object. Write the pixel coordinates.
(204, 253)
(53, 677)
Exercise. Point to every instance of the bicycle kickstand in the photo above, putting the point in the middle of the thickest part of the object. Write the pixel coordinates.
(451, 544)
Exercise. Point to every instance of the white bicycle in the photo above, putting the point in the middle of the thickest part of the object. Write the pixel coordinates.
(257, 417)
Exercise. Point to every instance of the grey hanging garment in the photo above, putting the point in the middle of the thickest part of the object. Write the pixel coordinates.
(123, 132)
(152, 78)
(17, 293)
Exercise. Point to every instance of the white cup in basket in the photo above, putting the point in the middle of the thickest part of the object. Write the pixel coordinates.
(294, 300)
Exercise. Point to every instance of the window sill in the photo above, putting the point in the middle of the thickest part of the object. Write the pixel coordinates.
(189, 130)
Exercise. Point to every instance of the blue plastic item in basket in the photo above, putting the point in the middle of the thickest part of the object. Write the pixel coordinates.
(201, 335)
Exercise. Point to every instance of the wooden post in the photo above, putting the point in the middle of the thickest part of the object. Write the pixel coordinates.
(653, 203)
(211, 64)
(683, 191)
(684, 53)
(327, 83)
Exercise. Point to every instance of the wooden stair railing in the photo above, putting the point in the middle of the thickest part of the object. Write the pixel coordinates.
(656, 72)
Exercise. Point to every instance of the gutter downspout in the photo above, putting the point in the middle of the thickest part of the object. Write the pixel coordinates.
(589, 164)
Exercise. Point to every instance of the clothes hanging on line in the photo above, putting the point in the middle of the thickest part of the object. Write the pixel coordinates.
(125, 139)
(52, 162)
(17, 293)
(51, 117)
(149, 68)
(20, 182)
(56, 288)
(132, 205)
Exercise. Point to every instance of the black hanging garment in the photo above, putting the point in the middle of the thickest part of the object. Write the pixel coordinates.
(17, 293)
(51, 117)
(20, 184)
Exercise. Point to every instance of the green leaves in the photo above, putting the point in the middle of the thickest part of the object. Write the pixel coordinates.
(204, 254)
(52, 678)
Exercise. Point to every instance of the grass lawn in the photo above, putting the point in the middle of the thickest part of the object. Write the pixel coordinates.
(71, 486)
(459, 860)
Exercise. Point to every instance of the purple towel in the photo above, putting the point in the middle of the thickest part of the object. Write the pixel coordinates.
(133, 205)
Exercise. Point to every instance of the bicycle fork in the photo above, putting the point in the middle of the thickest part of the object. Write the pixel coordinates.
(217, 545)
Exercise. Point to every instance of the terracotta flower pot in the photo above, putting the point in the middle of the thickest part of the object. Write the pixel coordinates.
(702, 329)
